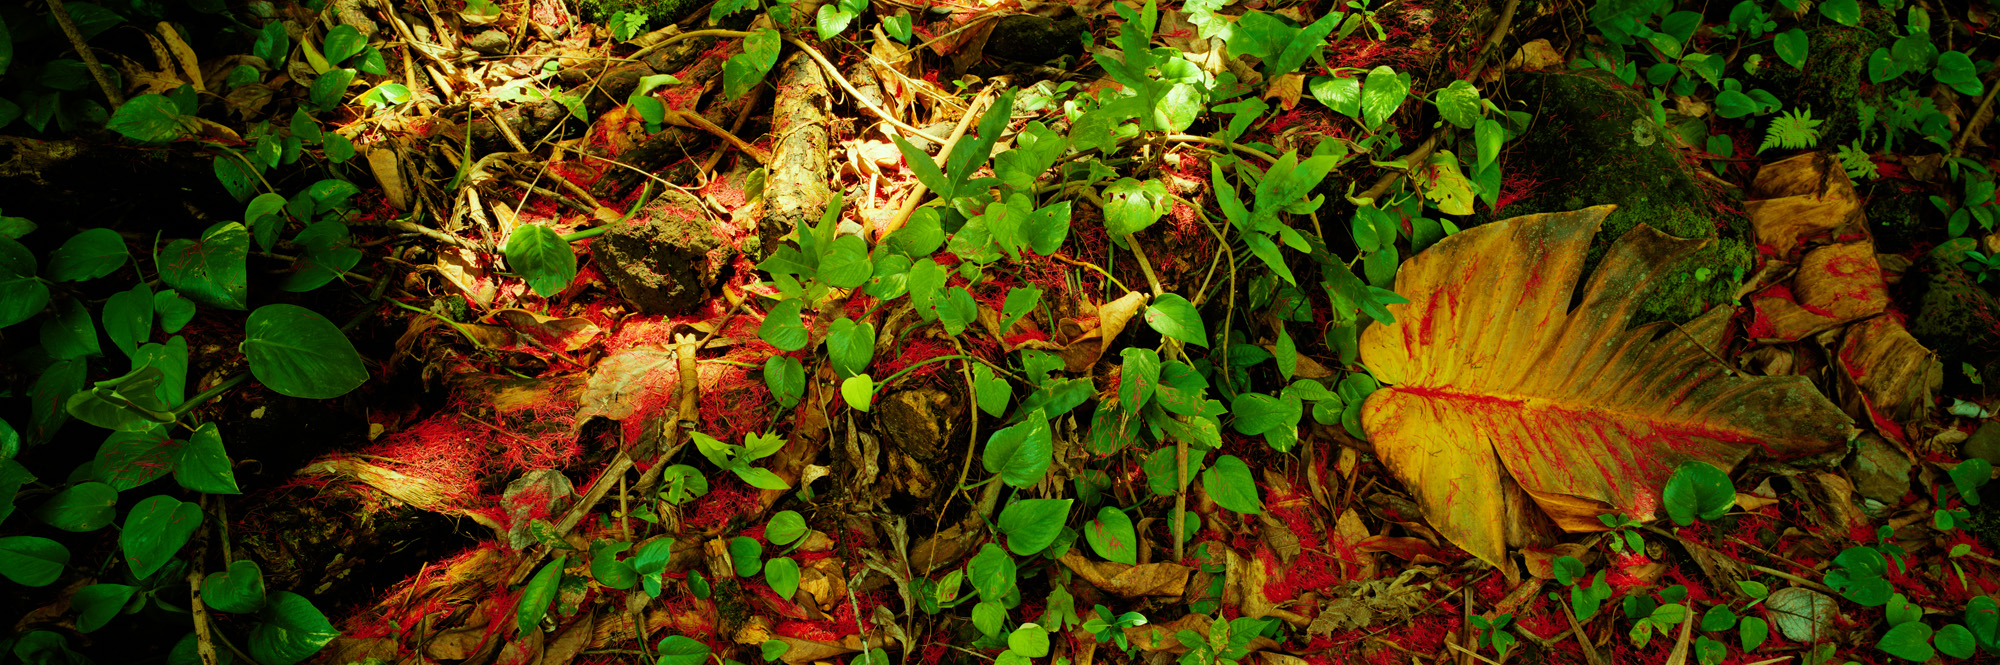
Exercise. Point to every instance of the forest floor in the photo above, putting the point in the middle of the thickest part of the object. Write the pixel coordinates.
(1218, 332)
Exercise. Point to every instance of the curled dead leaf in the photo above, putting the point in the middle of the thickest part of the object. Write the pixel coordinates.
(1152, 579)
(1492, 378)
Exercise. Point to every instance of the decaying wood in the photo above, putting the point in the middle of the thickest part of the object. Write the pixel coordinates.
(801, 166)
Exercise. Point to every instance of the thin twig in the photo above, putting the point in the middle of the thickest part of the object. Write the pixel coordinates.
(696, 120)
(83, 51)
(1985, 106)
(833, 72)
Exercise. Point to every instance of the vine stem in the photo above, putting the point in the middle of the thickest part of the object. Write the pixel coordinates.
(83, 51)
(211, 393)
(833, 72)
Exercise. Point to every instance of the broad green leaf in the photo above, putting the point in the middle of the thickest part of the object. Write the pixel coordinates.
(129, 403)
(1162, 472)
(1229, 484)
(238, 590)
(782, 327)
(149, 119)
(297, 352)
(98, 604)
(786, 378)
(1020, 454)
(1752, 632)
(70, 334)
(209, 271)
(1844, 12)
(203, 465)
(745, 70)
(329, 254)
(1029, 640)
(608, 570)
(173, 310)
(831, 20)
(1955, 69)
(1137, 377)
(536, 596)
(1286, 353)
(1793, 46)
(991, 392)
(850, 346)
(1955, 641)
(1910, 641)
(682, 650)
(957, 310)
(761, 478)
(1470, 402)
(91, 254)
(1130, 206)
(171, 359)
(32, 561)
(1698, 490)
(1020, 301)
(542, 258)
(1031, 525)
(155, 531)
(1112, 537)
(991, 572)
(22, 294)
(291, 630)
(845, 264)
(1445, 186)
(1258, 413)
(747, 555)
(782, 574)
(130, 459)
(1338, 93)
(858, 391)
(81, 508)
(1173, 316)
(47, 397)
(128, 318)
(1458, 104)
(681, 483)
(341, 43)
(786, 527)
(1381, 95)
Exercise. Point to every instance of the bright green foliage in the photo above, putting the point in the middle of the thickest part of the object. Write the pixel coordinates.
(541, 257)
(535, 598)
(737, 459)
(297, 352)
(291, 630)
(1031, 525)
(1698, 490)
(155, 530)
(1792, 130)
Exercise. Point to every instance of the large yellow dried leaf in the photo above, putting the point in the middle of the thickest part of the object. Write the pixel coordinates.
(1492, 374)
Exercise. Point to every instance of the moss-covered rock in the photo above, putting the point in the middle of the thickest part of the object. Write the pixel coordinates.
(1832, 82)
(1954, 316)
(1594, 142)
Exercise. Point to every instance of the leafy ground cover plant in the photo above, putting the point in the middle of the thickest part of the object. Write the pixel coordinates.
(926, 421)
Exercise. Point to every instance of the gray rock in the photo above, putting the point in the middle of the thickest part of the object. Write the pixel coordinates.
(1955, 315)
(1880, 470)
(665, 259)
(1984, 443)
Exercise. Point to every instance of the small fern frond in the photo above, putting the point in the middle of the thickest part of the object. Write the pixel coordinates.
(1792, 130)
(1855, 160)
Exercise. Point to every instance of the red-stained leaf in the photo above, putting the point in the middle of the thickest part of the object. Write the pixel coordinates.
(1493, 380)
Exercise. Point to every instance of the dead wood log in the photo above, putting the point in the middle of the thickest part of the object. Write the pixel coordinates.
(801, 173)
